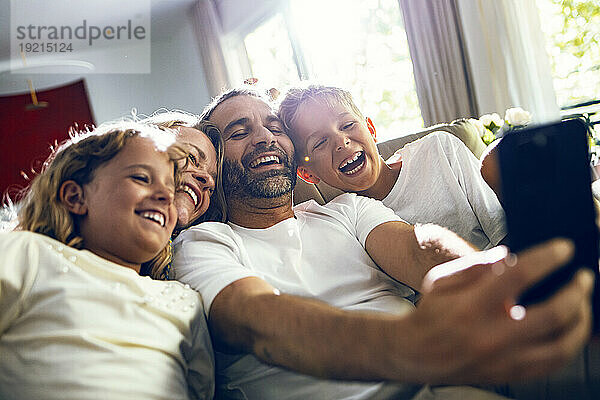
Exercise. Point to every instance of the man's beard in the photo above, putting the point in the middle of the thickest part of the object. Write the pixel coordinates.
(239, 180)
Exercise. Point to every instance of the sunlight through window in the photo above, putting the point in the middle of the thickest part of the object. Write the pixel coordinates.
(572, 30)
(270, 54)
(358, 45)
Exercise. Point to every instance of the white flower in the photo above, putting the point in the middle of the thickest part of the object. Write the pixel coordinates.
(517, 116)
(478, 126)
(488, 119)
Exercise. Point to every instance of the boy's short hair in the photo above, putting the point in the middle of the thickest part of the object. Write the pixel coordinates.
(329, 95)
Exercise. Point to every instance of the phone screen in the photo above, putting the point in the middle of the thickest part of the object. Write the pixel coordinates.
(546, 193)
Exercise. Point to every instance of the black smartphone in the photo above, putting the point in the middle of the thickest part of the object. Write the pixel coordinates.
(546, 192)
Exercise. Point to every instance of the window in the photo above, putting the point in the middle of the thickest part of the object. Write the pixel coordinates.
(572, 30)
(270, 54)
(358, 45)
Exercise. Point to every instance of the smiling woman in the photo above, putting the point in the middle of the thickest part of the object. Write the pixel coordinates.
(199, 176)
(200, 196)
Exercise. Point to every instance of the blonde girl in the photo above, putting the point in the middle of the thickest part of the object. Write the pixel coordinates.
(77, 321)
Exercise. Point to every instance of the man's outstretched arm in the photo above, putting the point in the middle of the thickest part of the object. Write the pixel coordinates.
(461, 331)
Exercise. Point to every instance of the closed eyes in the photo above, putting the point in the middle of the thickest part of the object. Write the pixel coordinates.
(319, 144)
(276, 129)
(238, 135)
(349, 125)
(193, 160)
(141, 178)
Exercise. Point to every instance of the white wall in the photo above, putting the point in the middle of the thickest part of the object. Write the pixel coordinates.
(176, 79)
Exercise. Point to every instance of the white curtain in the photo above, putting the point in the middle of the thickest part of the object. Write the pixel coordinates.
(508, 59)
(442, 75)
(208, 32)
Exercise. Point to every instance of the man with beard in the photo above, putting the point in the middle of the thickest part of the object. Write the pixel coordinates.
(303, 302)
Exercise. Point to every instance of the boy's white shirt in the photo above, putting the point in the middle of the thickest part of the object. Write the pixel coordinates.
(76, 326)
(440, 182)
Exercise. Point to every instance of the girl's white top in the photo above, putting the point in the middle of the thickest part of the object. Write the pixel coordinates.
(76, 326)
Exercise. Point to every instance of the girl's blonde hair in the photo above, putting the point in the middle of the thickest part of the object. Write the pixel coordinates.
(76, 159)
(217, 211)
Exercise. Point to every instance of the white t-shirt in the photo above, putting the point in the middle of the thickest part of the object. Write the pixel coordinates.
(440, 183)
(76, 326)
(318, 254)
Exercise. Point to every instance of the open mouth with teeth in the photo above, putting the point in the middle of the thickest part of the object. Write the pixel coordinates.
(153, 216)
(265, 161)
(190, 192)
(353, 164)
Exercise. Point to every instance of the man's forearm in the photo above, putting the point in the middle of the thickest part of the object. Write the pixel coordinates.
(408, 252)
(309, 336)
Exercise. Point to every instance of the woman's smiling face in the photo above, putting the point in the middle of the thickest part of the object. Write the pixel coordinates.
(193, 196)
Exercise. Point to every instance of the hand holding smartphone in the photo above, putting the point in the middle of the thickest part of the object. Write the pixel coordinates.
(546, 193)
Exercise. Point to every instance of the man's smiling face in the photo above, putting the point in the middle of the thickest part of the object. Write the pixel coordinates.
(259, 156)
